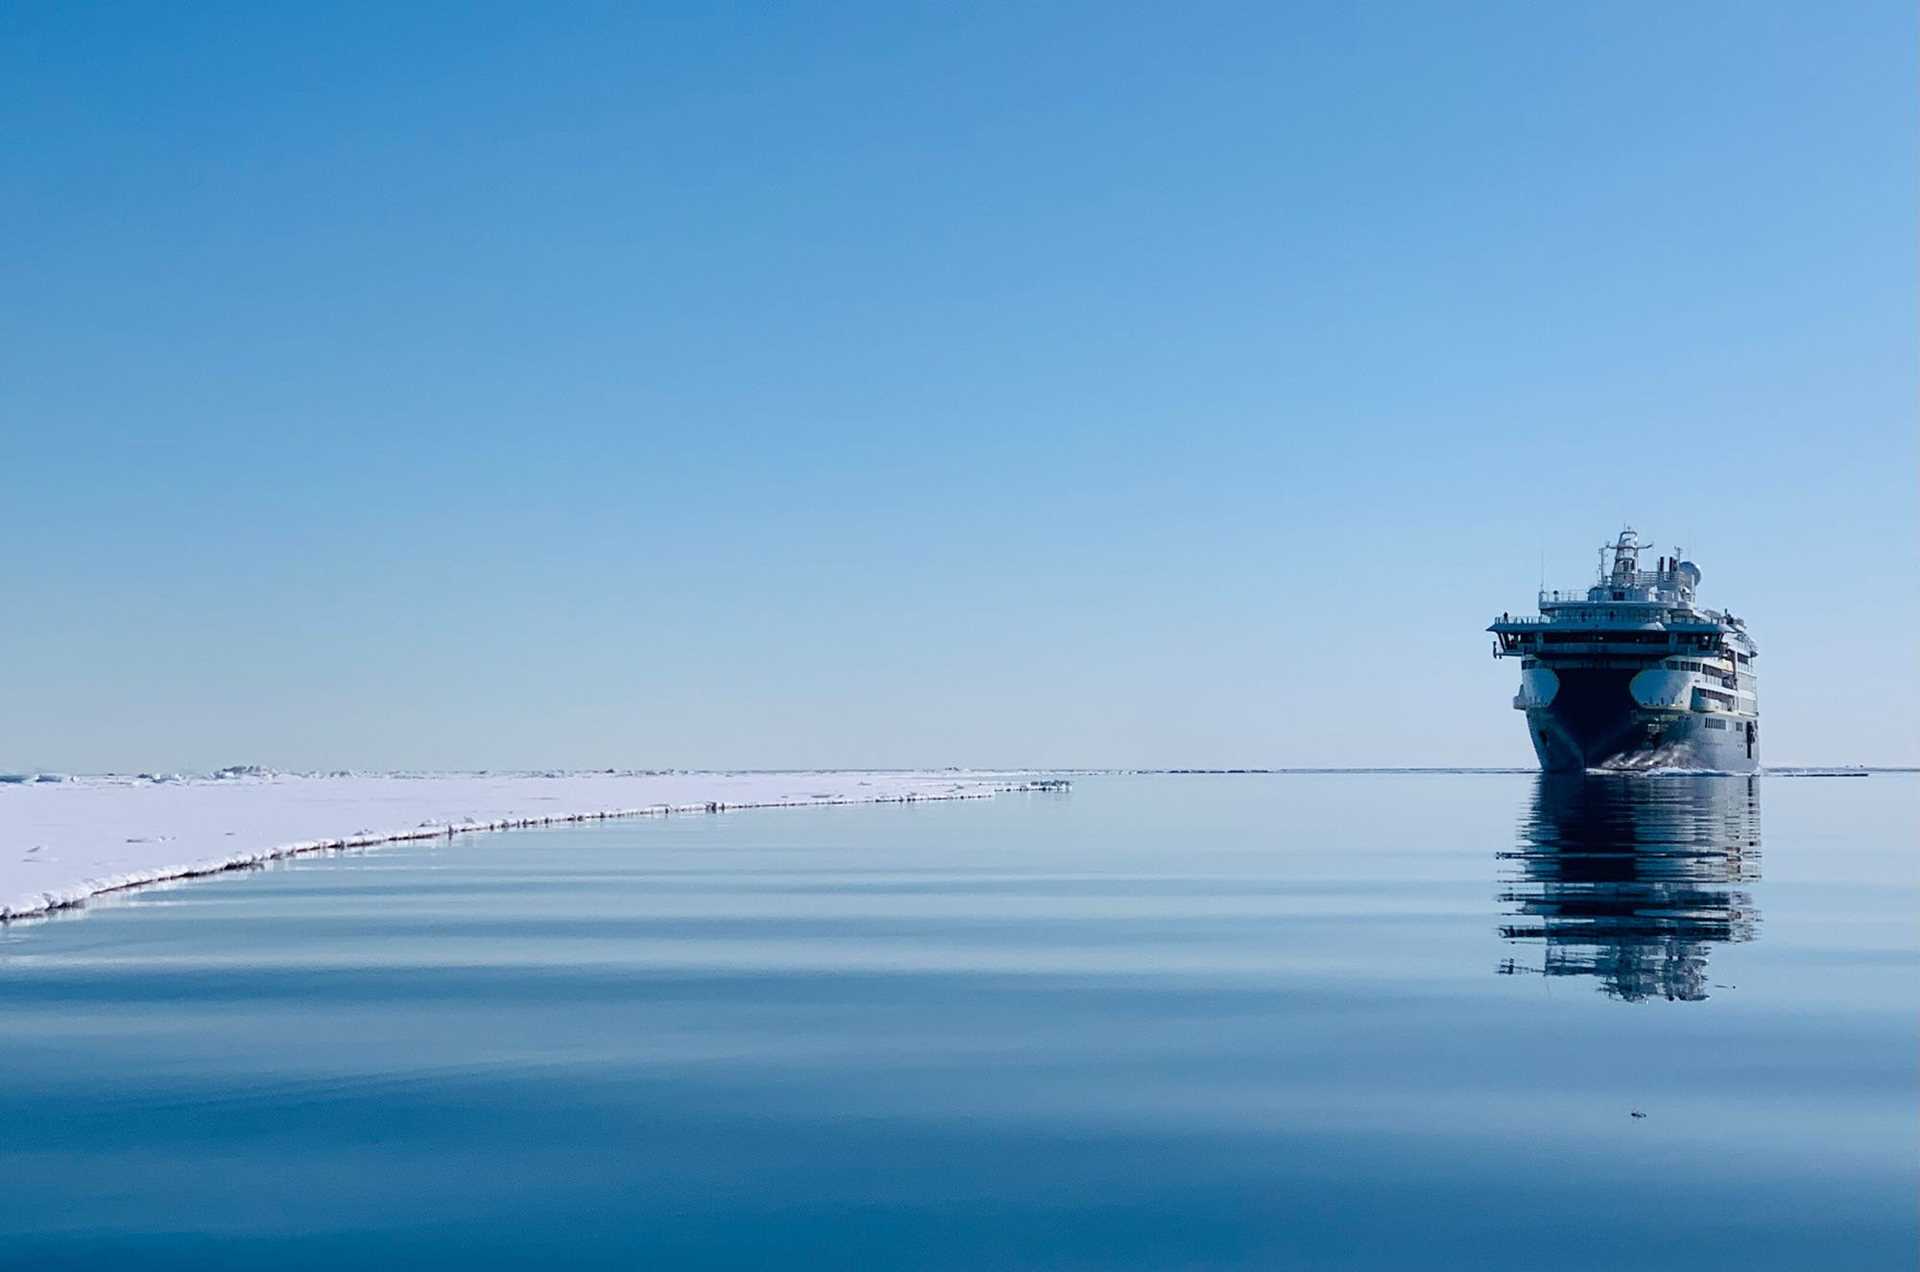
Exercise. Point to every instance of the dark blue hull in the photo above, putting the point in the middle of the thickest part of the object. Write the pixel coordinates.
(1593, 722)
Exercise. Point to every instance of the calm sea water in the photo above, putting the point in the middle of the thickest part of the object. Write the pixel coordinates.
(1358, 1021)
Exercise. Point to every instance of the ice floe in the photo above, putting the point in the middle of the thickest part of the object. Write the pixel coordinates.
(66, 840)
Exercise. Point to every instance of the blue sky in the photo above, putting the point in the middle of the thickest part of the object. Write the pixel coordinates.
(460, 385)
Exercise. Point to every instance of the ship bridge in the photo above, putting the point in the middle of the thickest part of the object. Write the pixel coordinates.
(1625, 611)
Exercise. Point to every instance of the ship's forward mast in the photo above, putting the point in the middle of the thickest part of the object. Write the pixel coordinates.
(1626, 559)
(1620, 578)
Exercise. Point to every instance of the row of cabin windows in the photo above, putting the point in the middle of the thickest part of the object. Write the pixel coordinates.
(1604, 638)
(1591, 616)
(1682, 664)
(1612, 616)
(1714, 722)
(1639, 615)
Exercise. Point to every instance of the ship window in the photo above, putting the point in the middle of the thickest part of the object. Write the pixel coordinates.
(1619, 596)
(1709, 700)
(1713, 722)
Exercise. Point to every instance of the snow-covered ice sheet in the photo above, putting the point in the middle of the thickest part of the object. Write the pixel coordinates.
(63, 841)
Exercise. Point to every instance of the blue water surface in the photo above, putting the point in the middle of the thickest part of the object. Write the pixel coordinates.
(1286, 1021)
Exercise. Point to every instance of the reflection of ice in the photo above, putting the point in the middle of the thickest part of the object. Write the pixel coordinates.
(1633, 880)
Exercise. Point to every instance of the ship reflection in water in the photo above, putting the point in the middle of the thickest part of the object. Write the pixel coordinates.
(1633, 880)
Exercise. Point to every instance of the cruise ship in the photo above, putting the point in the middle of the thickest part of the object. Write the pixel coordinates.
(1632, 673)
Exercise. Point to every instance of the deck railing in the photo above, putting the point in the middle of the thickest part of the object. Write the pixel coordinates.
(1639, 580)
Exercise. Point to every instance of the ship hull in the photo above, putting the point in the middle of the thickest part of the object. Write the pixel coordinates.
(1593, 722)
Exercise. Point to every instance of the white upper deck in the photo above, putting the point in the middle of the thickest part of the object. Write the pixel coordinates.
(1622, 581)
(1624, 598)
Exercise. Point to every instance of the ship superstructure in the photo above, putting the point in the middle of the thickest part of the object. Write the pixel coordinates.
(1633, 673)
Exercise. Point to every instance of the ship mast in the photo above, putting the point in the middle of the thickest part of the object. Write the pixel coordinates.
(1626, 558)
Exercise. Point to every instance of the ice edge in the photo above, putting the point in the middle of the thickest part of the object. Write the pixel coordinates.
(76, 894)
